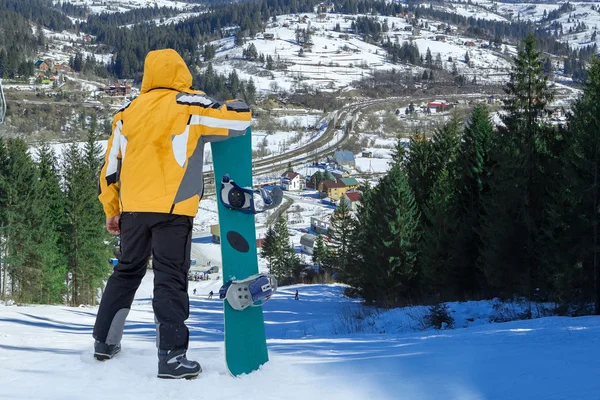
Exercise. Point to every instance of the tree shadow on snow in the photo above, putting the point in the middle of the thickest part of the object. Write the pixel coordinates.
(40, 349)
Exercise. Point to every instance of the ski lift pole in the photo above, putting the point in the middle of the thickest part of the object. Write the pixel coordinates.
(2, 103)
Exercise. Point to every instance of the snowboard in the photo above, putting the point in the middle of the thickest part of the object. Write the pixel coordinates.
(245, 339)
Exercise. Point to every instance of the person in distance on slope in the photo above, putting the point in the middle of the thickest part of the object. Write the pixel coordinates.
(150, 187)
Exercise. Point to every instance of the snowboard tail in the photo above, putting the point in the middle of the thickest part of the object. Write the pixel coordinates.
(245, 339)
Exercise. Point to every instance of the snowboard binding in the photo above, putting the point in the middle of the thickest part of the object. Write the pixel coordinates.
(253, 291)
(248, 200)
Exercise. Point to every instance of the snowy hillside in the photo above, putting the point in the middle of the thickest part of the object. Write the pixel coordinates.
(336, 59)
(586, 13)
(46, 353)
(111, 6)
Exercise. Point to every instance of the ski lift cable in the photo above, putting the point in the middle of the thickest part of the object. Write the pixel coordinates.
(2, 103)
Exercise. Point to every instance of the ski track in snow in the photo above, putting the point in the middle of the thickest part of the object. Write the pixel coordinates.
(46, 353)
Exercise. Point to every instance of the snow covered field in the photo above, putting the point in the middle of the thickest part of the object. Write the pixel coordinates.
(46, 353)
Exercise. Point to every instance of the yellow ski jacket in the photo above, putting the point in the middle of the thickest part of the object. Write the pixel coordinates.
(154, 157)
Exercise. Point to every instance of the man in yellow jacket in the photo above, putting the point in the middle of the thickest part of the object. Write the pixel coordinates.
(150, 187)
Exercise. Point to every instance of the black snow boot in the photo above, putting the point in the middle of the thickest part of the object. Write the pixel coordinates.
(174, 365)
(103, 351)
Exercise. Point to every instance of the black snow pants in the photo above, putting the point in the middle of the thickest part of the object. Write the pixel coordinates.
(168, 238)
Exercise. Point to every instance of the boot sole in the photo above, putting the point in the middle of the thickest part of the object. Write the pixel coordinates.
(188, 376)
(104, 356)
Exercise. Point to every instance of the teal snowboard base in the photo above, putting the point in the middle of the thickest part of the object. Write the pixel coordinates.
(245, 340)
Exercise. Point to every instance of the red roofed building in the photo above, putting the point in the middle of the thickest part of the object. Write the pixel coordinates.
(437, 105)
(352, 199)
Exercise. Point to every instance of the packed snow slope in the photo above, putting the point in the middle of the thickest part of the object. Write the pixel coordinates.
(46, 353)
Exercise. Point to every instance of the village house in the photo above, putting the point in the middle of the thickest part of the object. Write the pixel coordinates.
(329, 6)
(334, 189)
(470, 43)
(350, 183)
(42, 65)
(437, 106)
(344, 158)
(368, 154)
(352, 199)
(319, 226)
(269, 36)
(307, 243)
(310, 182)
(61, 68)
(117, 89)
(440, 38)
(292, 181)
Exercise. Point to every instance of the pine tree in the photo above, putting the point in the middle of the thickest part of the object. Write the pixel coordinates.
(3, 215)
(250, 97)
(473, 167)
(49, 220)
(320, 252)
(548, 66)
(22, 266)
(387, 236)
(341, 232)
(97, 250)
(239, 38)
(518, 202)
(317, 178)
(527, 89)
(445, 143)
(73, 187)
(285, 260)
(359, 272)
(437, 255)
(85, 239)
(268, 250)
(420, 168)
(429, 59)
(585, 126)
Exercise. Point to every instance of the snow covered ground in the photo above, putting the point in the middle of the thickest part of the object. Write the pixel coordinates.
(46, 353)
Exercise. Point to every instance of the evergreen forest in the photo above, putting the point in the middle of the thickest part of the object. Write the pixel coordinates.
(477, 211)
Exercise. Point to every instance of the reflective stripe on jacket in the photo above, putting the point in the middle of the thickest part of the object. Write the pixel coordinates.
(154, 156)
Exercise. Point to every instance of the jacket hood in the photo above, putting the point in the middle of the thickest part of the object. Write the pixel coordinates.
(165, 69)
